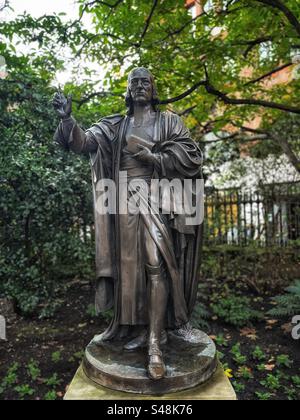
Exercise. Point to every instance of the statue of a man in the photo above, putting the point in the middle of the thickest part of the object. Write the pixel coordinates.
(147, 264)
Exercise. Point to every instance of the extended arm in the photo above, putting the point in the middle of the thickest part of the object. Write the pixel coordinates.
(68, 134)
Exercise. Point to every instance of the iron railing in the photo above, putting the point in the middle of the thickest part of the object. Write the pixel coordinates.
(266, 216)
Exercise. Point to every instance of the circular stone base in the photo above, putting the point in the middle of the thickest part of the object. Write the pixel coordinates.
(188, 364)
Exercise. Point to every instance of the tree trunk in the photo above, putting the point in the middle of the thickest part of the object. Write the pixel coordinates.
(285, 146)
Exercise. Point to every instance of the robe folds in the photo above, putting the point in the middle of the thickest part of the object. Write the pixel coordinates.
(178, 242)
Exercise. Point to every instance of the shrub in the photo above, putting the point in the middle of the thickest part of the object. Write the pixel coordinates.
(236, 310)
(287, 305)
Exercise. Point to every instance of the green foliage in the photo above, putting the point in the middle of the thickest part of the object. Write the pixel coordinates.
(178, 49)
(291, 393)
(271, 382)
(245, 373)
(24, 391)
(200, 316)
(33, 370)
(220, 340)
(77, 357)
(283, 360)
(238, 387)
(45, 195)
(296, 381)
(258, 354)
(237, 356)
(107, 315)
(263, 396)
(261, 367)
(287, 305)
(10, 379)
(236, 310)
(50, 396)
(91, 311)
(53, 381)
(56, 357)
(262, 270)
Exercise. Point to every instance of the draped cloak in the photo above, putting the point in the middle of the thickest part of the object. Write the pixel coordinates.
(179, 243)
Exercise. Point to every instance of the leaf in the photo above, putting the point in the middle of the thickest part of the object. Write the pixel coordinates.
(228, 373)
(250, 333)
(287, 328)
(269, 367)
(272, 321)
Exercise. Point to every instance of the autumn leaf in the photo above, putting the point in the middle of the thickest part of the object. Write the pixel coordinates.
(271, 323)
(287, 328)
(250, 333)
(270, 367)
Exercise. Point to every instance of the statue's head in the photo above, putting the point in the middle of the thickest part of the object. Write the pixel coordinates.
(141, 89)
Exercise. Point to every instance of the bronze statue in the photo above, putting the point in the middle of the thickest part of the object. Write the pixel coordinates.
(147, 264)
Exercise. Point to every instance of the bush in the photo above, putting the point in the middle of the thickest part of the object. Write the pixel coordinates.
(236, 310)
(260, 269)
(287, 305)
(46, 198)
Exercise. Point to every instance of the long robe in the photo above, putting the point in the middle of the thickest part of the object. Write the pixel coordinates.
(179, 243)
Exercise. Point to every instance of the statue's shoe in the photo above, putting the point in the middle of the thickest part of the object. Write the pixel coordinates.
(156, 367)
(141, 341)
(137, 343)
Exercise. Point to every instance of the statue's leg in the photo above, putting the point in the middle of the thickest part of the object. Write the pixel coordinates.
(158, 299)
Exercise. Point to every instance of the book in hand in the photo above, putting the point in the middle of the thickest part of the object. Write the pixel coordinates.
(134, 142)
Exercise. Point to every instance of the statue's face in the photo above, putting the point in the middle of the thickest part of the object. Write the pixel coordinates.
(140, 86)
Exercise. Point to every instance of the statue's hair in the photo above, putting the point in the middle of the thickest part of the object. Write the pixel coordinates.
(128, 99)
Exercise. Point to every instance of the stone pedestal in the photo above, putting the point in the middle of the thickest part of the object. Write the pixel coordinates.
(189, 363)
(217, 388)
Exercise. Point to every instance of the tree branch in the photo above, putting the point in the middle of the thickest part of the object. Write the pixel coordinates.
(231, 101)
(236, 137)
(183, 95)
(181, 29)
(261, 135)
(4, 5)
(265, 76)
(253, 43)
(285, 10)
(187, 111)
(285, 146)
(251, 102)
(148, 21)
(93, 95)
(105, 34)
(281, 141)
(104, 3)
(92, 3)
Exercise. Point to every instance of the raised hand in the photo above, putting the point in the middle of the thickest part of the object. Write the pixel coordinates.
(62, 105)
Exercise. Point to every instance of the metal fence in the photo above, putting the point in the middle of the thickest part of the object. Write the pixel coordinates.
(267, 216)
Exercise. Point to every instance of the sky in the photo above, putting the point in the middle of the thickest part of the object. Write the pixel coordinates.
(39, 8)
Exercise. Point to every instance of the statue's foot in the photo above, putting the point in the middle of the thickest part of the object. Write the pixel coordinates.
(137, 343)
(189, 334)
(156, 367)
(141, 341)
